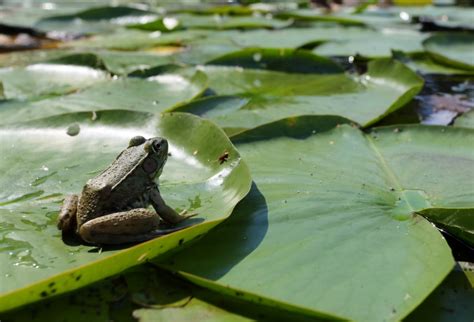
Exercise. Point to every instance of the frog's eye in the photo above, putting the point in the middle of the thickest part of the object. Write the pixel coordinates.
(136, 140)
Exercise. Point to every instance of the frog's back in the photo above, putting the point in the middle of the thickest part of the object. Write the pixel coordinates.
(118, 171)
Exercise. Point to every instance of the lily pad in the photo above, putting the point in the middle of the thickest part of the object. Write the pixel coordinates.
(285, 60)
(334, 40)
(148, 293)
(465, 120)
(41, 164)
(153, 95)
(370, 43)
(43, 80)
(218, 22)
(451, 300)
(454, 50)
(312, 15)
(130, 39)
(94, 20)
(422, 63)
(271, 96)
(331, 226)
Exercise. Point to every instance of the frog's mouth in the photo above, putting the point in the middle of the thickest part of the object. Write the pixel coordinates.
(160, 147)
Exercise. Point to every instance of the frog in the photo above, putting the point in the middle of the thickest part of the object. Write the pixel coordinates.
(113, 207)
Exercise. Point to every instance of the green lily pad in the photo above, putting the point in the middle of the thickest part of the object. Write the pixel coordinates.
(465, 120)
(41, 164)
(165, 298)
(153, 95)
(422, 63)
(451, 300)
(148, 293)
(458, 222)
(315, 16)
(115, 61)
(91, 303)
(219, 22)
(448, 16)
(285, 60)
(271, 96)
(286, 38)
(331, 225)
(130, 39)
(370, 43)
(334, 40)
(452, 49)
(94, 20)
(227, 10)
(124, 62)
(43, 80)
(24, 58)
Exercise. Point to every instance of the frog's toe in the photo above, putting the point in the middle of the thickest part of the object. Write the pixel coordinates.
(185, 215)
(67, 214)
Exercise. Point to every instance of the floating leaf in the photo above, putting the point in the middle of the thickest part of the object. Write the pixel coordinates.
(189, 21)
(315, 16)
(422, 63)
(101, 19)
(386, 86)
(153, 95)
(451, 300)
(34, 256)
(285, 60)
(43, 80)
(130, 39)
(331, 224)
(465, 120)
(452, 49)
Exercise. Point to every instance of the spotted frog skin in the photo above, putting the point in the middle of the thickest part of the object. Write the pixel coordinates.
(112, 208)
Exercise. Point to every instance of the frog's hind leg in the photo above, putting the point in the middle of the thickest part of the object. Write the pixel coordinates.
(67, 220)
(130, 226)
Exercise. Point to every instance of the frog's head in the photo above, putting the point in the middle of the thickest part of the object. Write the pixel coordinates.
(156, 154)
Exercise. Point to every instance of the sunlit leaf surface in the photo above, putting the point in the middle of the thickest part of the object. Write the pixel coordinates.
(41, 164)
(341, 231)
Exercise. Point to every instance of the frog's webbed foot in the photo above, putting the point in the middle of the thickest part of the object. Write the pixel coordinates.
(185, 215)
(135, 225)
(67, 220)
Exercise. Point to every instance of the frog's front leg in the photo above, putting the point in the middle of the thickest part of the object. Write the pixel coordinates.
(67, 220)
(164, 211)
(130, 226)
